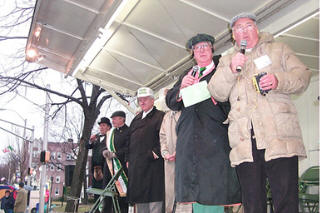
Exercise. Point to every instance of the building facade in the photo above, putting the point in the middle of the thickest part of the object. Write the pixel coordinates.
(59, 168)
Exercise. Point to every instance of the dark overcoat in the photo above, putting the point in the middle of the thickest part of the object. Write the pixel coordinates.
(97, 158)
(146, 174)
(121, 140)
(203, 172)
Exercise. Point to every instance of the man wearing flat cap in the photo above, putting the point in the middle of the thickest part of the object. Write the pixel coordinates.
(145, 163)
(115, 155)
(264, 131)
(203, 173)
(97, 143)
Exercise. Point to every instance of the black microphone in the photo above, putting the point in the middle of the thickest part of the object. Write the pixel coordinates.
(243, 45)
(194, 70)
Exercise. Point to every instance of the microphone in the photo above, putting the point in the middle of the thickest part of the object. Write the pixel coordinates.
(243, 45)
(194, 71)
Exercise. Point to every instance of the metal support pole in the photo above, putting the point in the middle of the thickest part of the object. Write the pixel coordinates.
(44, 148)
(30, 163)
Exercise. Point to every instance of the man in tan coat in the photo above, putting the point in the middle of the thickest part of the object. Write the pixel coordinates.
(168, 140)
(264, 131)
(20, 204)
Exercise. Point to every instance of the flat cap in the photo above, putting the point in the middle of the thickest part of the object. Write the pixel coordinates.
(201, 37)
(242, 15)
(119, 113)
(105, 120)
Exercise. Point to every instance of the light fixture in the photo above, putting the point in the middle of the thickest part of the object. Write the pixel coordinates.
(31, 53)
(37, 32)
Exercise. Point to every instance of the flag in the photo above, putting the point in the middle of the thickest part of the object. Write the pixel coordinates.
(10, 148)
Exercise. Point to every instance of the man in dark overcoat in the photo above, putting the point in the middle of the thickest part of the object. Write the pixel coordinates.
(145, 165)
(116, 151)
(203, 171)
(97, 143)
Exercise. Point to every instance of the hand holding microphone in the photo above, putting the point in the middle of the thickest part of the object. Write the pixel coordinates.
(188, 80)
(239, 60)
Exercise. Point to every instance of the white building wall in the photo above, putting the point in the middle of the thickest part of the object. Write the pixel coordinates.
(308, 110)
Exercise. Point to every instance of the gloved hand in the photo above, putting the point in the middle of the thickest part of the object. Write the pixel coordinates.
(187, 80)
(108, 154)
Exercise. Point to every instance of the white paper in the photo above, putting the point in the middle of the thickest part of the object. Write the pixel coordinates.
(195, 93)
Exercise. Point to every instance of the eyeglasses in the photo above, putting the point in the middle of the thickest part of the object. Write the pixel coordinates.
(241, 29)
(202, 46)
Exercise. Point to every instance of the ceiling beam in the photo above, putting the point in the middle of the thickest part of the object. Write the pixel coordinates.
(152, 34)
(205, 10)
(132, 58)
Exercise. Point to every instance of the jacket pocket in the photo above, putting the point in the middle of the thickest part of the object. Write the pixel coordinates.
(238, 131)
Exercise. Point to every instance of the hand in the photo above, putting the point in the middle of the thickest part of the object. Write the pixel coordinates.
(170, 157)
(187, 80)
(155, 156)
(93, 138)
(269, 81)
(108, 154)
(238, 60)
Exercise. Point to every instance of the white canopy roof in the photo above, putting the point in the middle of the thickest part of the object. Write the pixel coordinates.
(138, 43)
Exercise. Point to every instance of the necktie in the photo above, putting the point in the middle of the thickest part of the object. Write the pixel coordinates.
(202, 69)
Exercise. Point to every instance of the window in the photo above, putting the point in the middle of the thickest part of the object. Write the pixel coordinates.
(59, 167)
(59, 155)
(53, 155)
(69, 156)
(57, 192)
(51, 167)
(34, 154)
(58, 179)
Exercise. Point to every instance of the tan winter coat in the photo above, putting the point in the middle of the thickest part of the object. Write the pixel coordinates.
(274, 116)
(20, 204)
(168, 140)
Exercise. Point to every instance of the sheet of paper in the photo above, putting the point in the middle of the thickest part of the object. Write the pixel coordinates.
(195, 93)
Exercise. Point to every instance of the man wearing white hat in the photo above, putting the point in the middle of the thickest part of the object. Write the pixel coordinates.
(145, 164)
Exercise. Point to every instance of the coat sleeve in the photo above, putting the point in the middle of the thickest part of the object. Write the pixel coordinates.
(156, 147)
(223, 80)
(295, 77)
(19, 200)
(172, 97)
(89, 145)
(163, 136)
(123, 147)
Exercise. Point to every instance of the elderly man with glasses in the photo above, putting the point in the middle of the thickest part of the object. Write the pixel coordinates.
(258, 78)
(203, 173)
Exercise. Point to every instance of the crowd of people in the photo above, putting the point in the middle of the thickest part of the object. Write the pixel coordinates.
(218, 150)
(9, 204)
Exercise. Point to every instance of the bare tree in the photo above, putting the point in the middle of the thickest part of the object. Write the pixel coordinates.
(21, 78)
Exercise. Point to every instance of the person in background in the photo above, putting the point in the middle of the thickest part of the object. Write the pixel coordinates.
(97, 143)
(264, 131)
(7, 202)
(145, 164)
(115, 151)
(20, 204)
(168, 140)
(202, 173)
